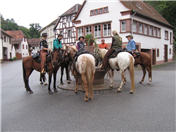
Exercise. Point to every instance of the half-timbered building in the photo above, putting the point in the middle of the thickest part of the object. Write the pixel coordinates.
(65, 26)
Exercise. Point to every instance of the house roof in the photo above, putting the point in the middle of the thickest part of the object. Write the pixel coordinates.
(52, 23)
(72, 10)
(141, 8)
(4, 32)
(34, 42)
(17, 34)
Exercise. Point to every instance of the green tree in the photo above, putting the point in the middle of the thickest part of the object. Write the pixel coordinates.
(34, 30)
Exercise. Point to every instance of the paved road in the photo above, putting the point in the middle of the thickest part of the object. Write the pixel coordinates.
(150, 108)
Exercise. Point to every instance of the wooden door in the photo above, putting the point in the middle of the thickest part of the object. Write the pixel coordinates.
(165, 53)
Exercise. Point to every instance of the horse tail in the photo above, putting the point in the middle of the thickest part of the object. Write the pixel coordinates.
(90, 77)
(131, 71)
(24, 73)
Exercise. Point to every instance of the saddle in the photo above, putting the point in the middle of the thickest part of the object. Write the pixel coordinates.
(116, 52)
(37, 58)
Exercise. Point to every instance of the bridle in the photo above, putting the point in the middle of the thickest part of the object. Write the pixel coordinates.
(137, 55)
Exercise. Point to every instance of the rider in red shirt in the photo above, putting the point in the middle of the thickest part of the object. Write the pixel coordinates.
(103, 45)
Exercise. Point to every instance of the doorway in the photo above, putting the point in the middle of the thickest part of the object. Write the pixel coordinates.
(153, 57)
(166, 53)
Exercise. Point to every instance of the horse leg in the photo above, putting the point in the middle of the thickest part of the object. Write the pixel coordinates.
(83, 77)
(125, 77)
(27, 81)
(54, 83)
(83, 89)
(149, 74)
(69, 67)
(144, 72)
(41, 82)
(122, 81)
(68, 77)
(111, 76)
(76, 90)
(44, 78)
(62, 70)
(49, 82)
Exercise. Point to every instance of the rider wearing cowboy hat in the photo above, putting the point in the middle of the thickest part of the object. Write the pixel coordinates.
(131, 46)
(43, 51)
(80, 44)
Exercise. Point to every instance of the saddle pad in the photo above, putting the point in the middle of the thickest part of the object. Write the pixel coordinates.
(38, 60)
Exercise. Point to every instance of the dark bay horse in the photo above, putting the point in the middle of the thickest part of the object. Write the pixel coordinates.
(29, 64)
(144, 60)
(66, 63)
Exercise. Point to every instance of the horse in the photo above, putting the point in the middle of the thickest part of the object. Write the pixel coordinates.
(85, 66)
(66, 63)
(144, 60)
(42, 79)
(122, 61)
(29, 64)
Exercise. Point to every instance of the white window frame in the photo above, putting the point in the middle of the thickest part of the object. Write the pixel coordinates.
(150, 31)
(92, 12)
(96, 12)
(88, 30)
(154, 32)
(100, 10)
(158, 32)
(140, 27)
(98, 32)
(134, 26)
(105, 9)
(80, 32)
(123, 26)
(166, 33)
(107, 32)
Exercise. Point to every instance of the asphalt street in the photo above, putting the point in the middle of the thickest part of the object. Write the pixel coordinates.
(150, 108)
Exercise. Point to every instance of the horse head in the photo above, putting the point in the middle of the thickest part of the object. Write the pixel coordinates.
(136, 54)
(56, 56)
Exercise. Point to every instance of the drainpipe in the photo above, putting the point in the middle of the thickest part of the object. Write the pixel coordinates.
(132, 22)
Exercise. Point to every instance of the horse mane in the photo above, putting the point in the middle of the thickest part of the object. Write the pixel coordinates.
(73, 48)
(102, 52)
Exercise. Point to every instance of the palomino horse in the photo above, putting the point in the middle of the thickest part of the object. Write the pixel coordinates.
(85, 65)
(29, 64)
(122, 61)
(144, 60)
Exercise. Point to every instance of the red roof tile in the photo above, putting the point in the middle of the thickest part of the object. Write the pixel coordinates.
(5, 33)
(16, 34)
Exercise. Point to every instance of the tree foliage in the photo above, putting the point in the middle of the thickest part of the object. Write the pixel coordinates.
(10, 24)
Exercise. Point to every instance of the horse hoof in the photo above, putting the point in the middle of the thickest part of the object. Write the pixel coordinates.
(118, 91)
(111, 86)
(69, 82)
(140, 82)
(131, 92)
(41, 83)
(50, 92)
(55, 90)
(62, 83)
(83, 91)
(31, 92)
(148, 83)
(86, 100)
(45, 83)
(76, 92)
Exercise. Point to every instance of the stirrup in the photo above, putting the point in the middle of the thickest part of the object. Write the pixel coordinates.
(101, 66)
(43, 71)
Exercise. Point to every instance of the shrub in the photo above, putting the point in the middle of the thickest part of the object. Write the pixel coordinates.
(10, 59)
(14, 58)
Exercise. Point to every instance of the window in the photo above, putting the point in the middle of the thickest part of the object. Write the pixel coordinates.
(146, 29)
(10, 40)
(88, 30)
(154, 31)
(96, 11)
(97, 31)
(107, 29)
(7, 39)
(166, 35)
(61, 32)
(68, 18)
(171, 40)
(158, 33)
(106, 9)
(157, 52)
(4, 38)
(69, 33)
(140, 27)
(80, 32)
(123, 26)
(23, 46)
(169, 50)
(101, 10)
(150, 31)
(71, 18)
(92, 12)
(134, 26)
(26, 47)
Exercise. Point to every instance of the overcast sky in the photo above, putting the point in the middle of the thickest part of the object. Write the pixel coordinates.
(44, 12)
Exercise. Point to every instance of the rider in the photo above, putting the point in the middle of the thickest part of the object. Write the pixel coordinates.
(131, 46)
(80, 44)
(43, 52)
(57, 42)
(116, 46)
(103, 45)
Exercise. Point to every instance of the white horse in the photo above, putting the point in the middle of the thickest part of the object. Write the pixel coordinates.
(85, 65)
(122, 61)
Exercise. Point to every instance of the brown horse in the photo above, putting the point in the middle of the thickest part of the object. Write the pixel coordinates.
(29, 64)
(144, 60)
(84, 66)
